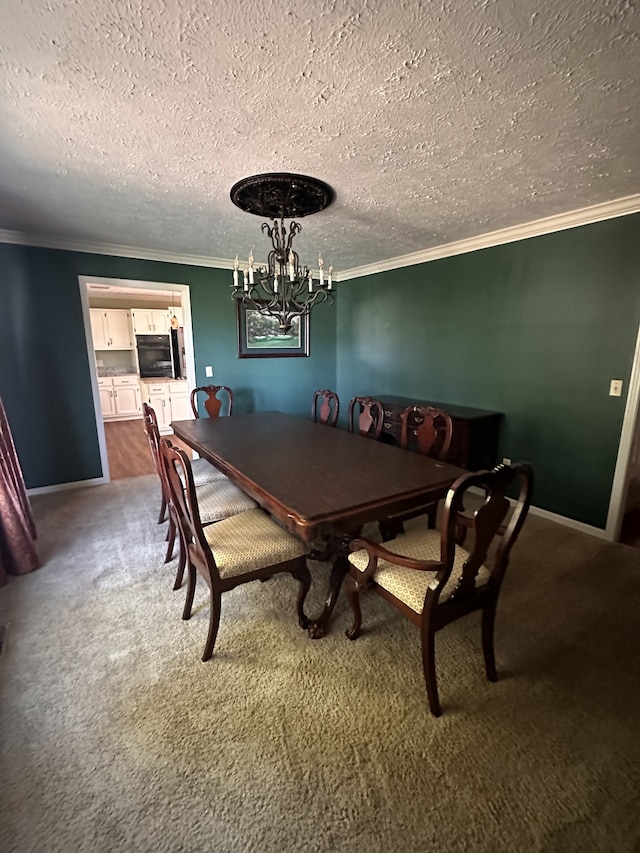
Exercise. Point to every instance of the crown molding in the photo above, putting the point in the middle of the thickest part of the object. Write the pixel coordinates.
(41, 242)
(560, 222)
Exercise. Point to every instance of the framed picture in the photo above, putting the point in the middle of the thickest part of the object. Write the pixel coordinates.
(259, 336)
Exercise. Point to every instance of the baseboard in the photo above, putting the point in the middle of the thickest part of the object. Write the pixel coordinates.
(63, 487)
(580, 526)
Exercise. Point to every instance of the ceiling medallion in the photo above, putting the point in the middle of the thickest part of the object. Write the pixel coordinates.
(281, 195)
(283, 290)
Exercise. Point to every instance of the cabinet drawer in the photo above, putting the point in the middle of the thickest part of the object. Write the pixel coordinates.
(178, 388)
(159, 388)
(125, 380)
(104, 382)
(393, 413)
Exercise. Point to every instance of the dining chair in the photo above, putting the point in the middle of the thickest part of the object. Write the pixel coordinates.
(203, 471)
(434, 577)
(245, 547)
(218, 400)
(219, 498)
(426, 430)
(366, 415)
(329, 407)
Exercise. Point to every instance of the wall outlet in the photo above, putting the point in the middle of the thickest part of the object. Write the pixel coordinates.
(615, 389)
(506, 461)
(208, 371)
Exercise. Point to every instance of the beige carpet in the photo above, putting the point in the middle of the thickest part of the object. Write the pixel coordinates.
(115, 737)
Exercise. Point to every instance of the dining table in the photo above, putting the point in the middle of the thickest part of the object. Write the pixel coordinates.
(322, 483)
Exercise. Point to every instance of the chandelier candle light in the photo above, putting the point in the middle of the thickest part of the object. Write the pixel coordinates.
(283, 289)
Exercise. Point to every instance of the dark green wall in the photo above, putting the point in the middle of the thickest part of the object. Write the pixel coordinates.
(534, 329)
(44, 368)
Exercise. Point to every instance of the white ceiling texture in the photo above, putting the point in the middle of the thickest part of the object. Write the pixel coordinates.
(125, 123)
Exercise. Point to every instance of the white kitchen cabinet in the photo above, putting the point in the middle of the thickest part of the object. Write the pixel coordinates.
(119, 397)
(127, 395)
(107, 400)
(180, 405)
(151, 321)
(159, 402)
(111, 328)
(169, 400)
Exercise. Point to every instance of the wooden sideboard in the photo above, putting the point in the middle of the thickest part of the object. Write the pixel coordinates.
(474, 443)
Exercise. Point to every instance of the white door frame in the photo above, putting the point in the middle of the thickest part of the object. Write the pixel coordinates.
(184, 291)
(621, 474)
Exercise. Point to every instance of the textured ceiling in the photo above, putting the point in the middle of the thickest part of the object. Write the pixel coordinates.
(127, 123)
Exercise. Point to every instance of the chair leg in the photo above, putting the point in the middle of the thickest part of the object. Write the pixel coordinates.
(302, 575)
(429, 668)
(171, 538)
(181, 567)
(215, 602)
(390, 528)
(353, 596)
(191, 591)
(163, 510)
(488, 624)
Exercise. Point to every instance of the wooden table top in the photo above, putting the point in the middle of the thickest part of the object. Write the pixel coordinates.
(315, 478)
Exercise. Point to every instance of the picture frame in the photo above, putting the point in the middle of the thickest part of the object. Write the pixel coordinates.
(258, 335)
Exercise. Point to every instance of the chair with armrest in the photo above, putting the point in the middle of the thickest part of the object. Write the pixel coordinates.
(248, 546)
(329, 407)
(219, 498)
(218, 400)
(434, 577)
(365, 416)
(426, 430)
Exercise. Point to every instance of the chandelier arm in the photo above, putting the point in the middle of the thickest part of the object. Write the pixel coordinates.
(294, 229)
(284, 289)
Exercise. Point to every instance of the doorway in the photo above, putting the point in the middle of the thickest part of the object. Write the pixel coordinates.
(114, 366)
(630, 526)
(623, 519)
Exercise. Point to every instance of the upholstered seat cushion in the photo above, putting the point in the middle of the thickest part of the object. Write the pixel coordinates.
(221, 499)
(205, 472)
(250, 541)
(409, 585)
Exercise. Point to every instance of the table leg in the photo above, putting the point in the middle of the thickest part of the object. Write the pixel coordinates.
(318, 627)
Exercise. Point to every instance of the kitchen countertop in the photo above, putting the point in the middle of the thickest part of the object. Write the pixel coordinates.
(155, 379)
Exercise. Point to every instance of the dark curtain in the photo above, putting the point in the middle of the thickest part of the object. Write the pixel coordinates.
(17, 527)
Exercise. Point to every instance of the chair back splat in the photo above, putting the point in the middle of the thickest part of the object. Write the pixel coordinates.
(434, 577)
(365, 416)
(327, 413)
(218, 400)
(426, 430)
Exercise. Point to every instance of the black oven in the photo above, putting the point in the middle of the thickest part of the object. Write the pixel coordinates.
(154, 355)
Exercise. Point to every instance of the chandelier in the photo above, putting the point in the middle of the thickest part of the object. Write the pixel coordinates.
(283, 289)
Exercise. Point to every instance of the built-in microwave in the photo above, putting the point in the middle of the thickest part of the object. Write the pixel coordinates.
(154, 355)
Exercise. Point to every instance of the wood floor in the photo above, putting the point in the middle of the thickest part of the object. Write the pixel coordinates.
(128, 449)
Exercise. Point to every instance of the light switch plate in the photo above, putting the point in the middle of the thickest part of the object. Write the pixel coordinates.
(208, 371)
(615, 389)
